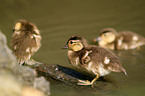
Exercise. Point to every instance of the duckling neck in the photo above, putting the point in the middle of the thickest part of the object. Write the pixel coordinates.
(104, 43)
(77, 48)
(72, 55)
(110, 45)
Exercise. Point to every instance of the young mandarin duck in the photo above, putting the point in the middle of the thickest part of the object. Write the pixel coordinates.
(25, 40)
(92, 59)
(110, 39)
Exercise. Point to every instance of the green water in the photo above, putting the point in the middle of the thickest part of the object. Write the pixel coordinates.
(59, 19)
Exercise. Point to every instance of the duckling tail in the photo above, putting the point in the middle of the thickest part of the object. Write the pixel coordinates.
(124, 71)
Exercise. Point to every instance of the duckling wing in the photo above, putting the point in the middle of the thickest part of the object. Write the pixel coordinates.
(85, 57)
(20, 45)
(129, 40)
(105, 57)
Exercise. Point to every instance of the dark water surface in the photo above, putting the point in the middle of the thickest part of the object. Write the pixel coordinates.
(60, 19)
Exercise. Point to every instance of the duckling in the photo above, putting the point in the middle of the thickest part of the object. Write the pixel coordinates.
(110, 39)
(26, 40)
(92, 59)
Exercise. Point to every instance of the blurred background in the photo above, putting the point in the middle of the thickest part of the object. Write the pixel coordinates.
(58, 20)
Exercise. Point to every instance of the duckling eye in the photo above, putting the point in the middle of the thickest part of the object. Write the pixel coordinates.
(13, 30)
(105, 35)
(71, 42)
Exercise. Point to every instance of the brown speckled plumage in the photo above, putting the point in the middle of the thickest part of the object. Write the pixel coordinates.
(123, 40)
(25, 40)
(94, 59)
(97, 57)
(128, 40)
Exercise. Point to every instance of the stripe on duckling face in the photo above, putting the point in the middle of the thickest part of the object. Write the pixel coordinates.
(75, 45)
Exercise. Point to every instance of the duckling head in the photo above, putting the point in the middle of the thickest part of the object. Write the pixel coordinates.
(76, 43)
(107, 35)
(23, 27)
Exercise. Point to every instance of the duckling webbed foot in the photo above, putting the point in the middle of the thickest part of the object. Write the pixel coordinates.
(82, 82)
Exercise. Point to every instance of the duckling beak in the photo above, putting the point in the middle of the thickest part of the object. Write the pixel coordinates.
(65, 47)
(97, 39)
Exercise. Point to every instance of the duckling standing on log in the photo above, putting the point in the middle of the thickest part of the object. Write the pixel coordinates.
(110, 39)
(92, 59)
(25, 40)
